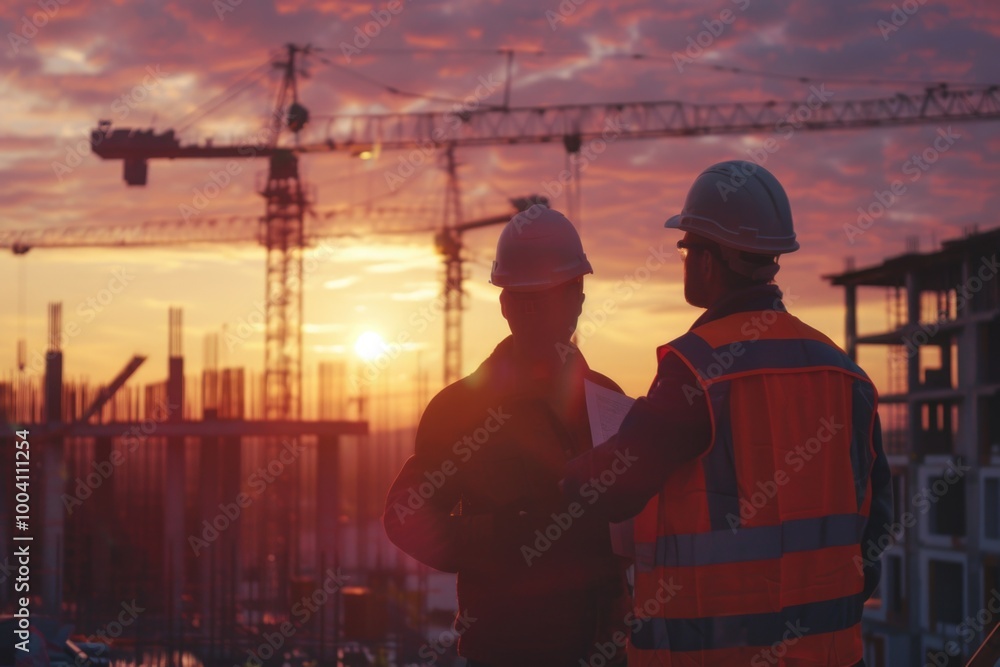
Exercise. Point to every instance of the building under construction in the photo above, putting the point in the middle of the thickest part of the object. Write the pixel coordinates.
(175, 525)
(941, 422)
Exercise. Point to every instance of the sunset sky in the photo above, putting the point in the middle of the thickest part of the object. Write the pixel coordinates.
(151, 64)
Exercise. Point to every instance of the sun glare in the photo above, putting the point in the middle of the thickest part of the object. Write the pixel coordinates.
(369, 346)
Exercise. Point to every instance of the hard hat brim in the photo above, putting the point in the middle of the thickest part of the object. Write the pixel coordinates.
(542, 285)
(775, 246)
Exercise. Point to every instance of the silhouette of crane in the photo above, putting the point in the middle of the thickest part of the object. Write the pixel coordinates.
(245, 229)
(283, 228)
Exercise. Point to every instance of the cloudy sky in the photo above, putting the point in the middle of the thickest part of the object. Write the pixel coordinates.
(68, 63)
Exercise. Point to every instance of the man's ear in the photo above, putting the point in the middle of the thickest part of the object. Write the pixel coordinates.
(503, 304)
(712, 268)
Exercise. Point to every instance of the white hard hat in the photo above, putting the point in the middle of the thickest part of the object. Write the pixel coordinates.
(739, 205)
(539, 248)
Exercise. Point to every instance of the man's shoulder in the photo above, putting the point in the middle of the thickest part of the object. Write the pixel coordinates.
(453, 398)
(454, 409)
(474, 387)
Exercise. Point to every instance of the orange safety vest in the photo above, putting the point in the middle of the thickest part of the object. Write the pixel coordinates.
(750, 554)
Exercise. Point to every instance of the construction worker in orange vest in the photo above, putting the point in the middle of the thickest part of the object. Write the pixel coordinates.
(761, 489)
(538, 583)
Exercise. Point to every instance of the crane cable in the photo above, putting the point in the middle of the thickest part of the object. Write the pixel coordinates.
(234, 89)
(653, 57)
(392, 89)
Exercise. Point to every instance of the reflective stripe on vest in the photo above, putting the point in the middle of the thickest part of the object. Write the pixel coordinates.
(757, 543)
(757, 537)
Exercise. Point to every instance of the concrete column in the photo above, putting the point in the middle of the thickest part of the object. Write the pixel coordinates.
(175, 539)
(967, 443)
(103, 562)
(208, 559)
(913, 319)
(229, 559)
(328, 510)
(851, 322)
(914, 583)
(51, 535)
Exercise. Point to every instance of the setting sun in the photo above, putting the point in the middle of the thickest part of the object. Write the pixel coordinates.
(369, 346)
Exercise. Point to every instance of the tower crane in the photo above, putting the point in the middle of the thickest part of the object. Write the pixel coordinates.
(245, 229)
(384, 220)
(573, 124)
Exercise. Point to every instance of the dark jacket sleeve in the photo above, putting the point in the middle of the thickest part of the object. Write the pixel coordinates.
(418, 516)
(425, 528)
(880, 518)
(668, 427)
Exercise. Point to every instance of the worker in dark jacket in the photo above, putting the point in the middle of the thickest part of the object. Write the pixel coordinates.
(537, 581)
(764, 490)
